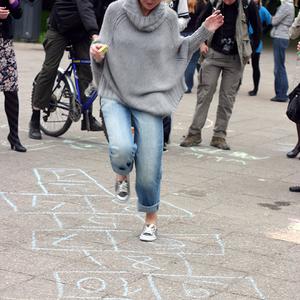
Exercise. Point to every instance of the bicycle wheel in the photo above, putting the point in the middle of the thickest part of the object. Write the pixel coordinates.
(55, 119)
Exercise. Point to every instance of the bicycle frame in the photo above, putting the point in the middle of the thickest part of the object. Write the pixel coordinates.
(72, 69)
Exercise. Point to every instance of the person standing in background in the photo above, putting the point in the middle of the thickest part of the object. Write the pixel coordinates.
(8, 70)
(225, 54)
(281, 22)
(195, 7)
(266, 21)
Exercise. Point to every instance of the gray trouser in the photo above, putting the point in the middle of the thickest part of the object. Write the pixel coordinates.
(232, 71)
(55, 45)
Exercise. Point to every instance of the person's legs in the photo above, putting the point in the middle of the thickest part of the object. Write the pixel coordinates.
(256, 73)
(82, 49)
(281, 80)
(190, 70)
(293, 153)
(149, 140)
(122, 148)
(11, 105)
(208, 78)
(54, 46)
(230, 83)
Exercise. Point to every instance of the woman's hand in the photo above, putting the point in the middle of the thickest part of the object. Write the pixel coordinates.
(95, 52)
(213, 22)
(203, 48)
(3, 13)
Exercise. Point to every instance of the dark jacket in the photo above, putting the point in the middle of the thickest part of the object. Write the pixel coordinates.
(6, 28)
(78, 19)
(251, 13)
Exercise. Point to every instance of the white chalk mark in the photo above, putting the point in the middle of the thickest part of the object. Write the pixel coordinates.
(179, 208)
(33, 241)
(113, 241)
(57, 220)
(34, 201)
(141, 260)
(126, 290)
(58, 206)
(196, 293)
(187, 264)
(12, 205)
(102, 284)
(260, 294)
(153, 288)
(90, 205)
(88, 255)
(39, 181)
(60, 285)
(98, 184)
(69, 237)
(221, 243)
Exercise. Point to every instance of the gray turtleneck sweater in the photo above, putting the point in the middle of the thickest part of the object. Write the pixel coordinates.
(147, 57)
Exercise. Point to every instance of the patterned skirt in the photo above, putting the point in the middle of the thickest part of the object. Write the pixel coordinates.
(8, 67)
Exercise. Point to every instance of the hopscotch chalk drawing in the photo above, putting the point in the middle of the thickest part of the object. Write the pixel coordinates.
(82, 219)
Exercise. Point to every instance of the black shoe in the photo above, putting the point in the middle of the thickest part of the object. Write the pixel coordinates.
(94, 124)
(252, 93)
(34, 131)
(275, 99)
(293, 153)
(295, 189)
(16, 145)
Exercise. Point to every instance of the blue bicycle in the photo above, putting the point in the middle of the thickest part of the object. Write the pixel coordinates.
(66, 105)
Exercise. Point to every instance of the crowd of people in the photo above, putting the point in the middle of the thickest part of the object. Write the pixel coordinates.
(158, 40)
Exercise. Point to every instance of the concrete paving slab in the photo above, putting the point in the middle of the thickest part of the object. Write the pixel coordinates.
(228, 226)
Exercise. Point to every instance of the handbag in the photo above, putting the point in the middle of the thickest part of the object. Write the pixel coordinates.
(293, 109)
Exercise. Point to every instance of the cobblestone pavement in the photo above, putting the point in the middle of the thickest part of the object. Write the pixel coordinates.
(228, 226)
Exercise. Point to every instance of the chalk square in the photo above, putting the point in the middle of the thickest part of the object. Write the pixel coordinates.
(188, 244)
(73, 240)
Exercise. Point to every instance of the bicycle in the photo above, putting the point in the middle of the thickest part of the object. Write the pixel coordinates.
(66, 105)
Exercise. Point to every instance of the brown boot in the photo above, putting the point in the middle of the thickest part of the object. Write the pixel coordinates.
(191, 140)
(219, 142)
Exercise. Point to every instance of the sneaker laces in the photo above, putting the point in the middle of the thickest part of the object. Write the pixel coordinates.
(123, 187)
(150, 229)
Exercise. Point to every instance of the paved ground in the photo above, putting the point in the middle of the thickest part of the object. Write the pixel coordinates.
(229, 228)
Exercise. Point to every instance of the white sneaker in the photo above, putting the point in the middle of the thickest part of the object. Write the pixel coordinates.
(123, 190)
(149, 233)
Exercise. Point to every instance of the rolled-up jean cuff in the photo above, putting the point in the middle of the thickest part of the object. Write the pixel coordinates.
(148, 209)
(121, 172)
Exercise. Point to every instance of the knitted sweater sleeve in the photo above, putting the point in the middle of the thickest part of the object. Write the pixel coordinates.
(105, 37)
(193, 41)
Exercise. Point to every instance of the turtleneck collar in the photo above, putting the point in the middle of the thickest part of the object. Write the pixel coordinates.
(144, 23)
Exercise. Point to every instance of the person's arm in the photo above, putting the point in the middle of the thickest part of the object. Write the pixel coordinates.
(281, 13)
(15, 9)
(88, 17)
(254, 20)
(294, 30)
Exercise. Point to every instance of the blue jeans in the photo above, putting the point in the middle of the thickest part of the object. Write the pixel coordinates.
(145, 148)
(190, 70)
(281, 80)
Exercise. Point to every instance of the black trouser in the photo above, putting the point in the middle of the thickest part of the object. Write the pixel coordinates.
(167, 122)
(256, 71)
(55, 45)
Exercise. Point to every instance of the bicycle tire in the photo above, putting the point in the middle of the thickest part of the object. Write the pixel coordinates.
(55, 119)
